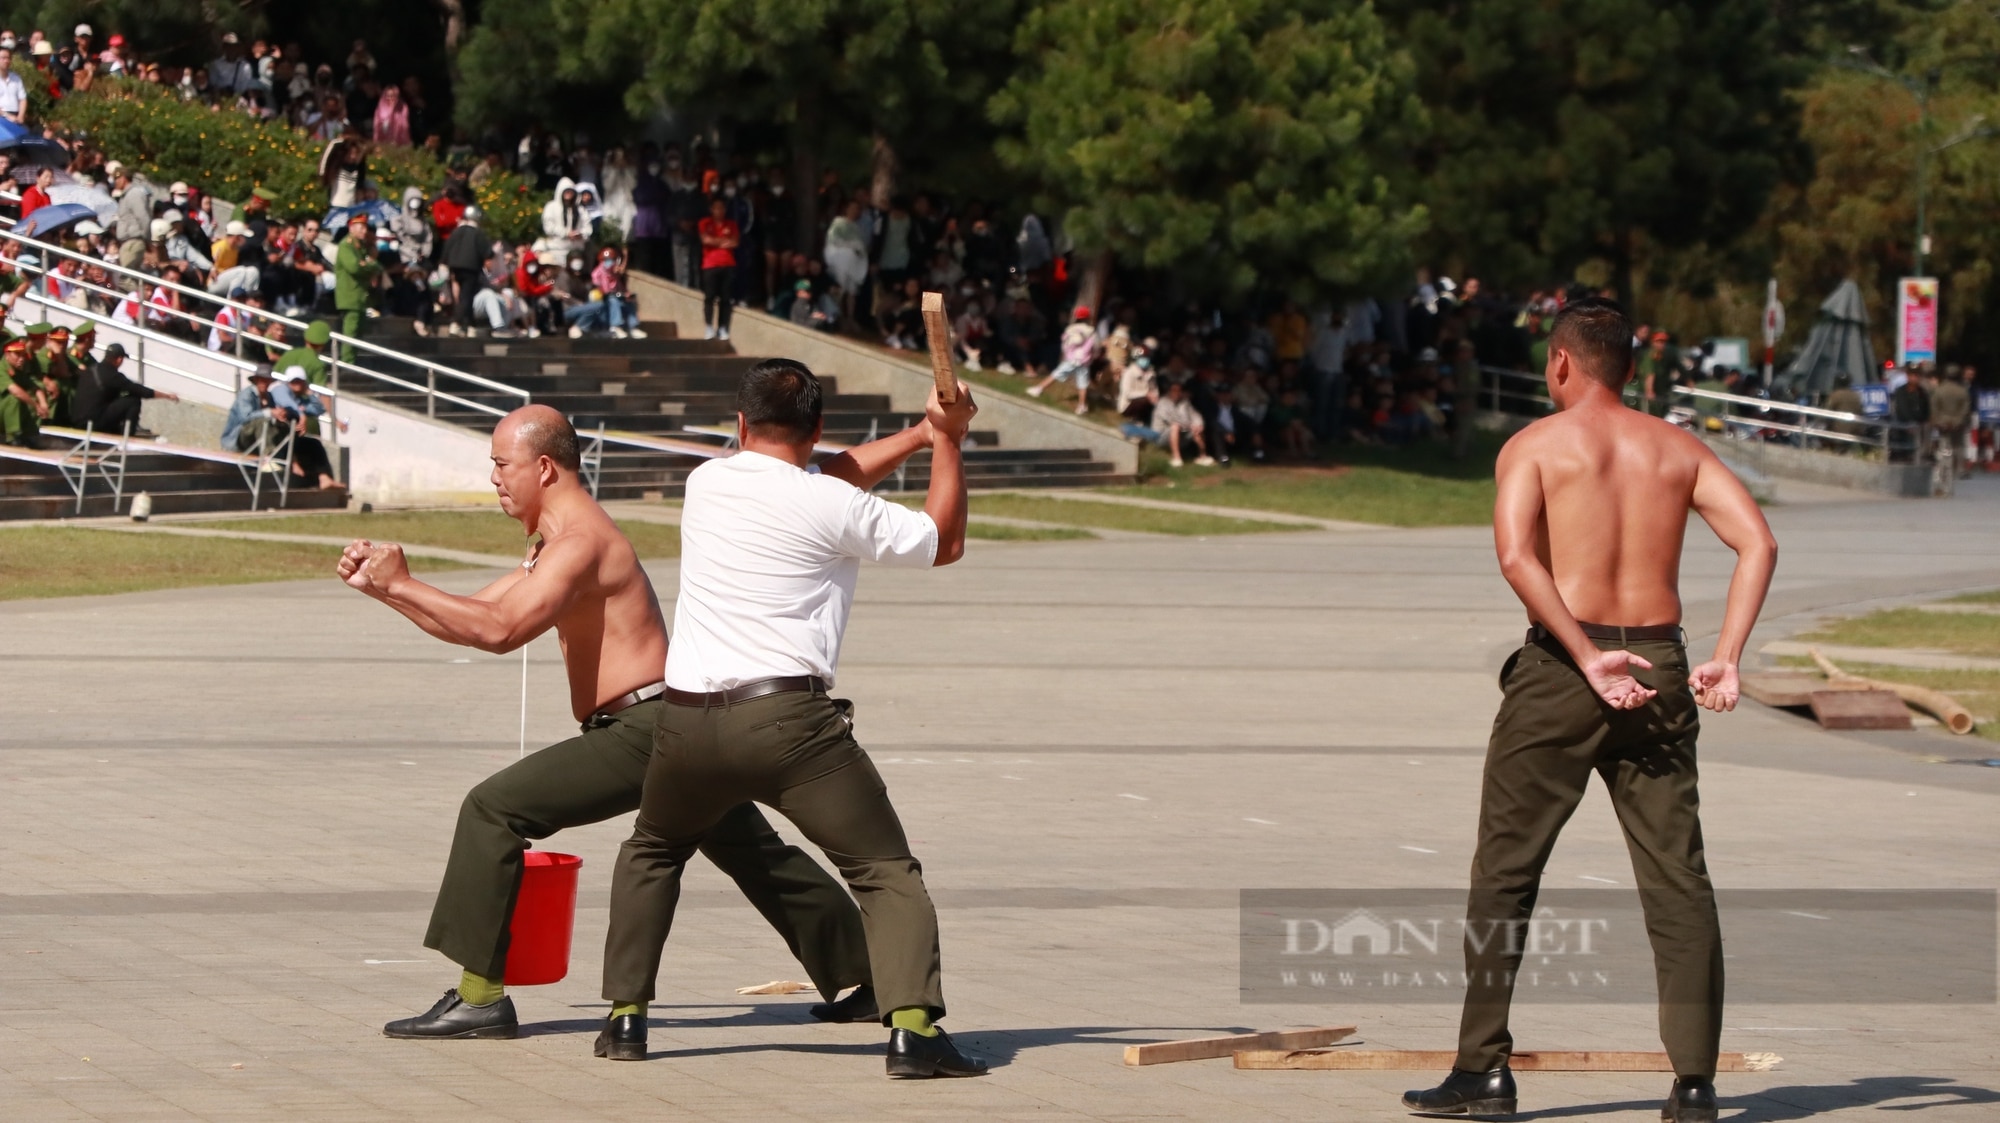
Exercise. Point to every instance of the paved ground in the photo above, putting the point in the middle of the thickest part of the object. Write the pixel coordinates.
(226, 811)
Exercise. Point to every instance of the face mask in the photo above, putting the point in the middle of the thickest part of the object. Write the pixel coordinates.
(652, 169)
(777, 189)
(729, 192)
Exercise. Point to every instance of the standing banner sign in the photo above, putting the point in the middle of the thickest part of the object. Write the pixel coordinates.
(1916, 320)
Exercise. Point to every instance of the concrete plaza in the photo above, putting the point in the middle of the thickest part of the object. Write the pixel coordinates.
(226, 811)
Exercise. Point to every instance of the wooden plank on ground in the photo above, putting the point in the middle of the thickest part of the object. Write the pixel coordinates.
(1859, 709)
(1442, 1059)
(1210, 1048)
(1785, 689)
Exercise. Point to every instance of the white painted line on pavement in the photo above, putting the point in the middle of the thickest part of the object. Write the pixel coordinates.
(1129, 795)
(1418, 849)
(1587, 877)
(1266, 822)
(1807, 915)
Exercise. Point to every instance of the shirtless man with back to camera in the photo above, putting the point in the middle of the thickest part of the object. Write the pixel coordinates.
(1589, 523)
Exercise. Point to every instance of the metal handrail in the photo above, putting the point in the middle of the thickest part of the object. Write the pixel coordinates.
(1750, 414)
(339, 339)
(44, 298)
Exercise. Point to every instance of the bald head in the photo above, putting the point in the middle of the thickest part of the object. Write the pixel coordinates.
(542, 431)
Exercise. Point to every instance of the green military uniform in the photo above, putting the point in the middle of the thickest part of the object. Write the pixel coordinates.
(1847, 399)
(306, 356)
(600, 775)
(19, 423)
(59, 378)
(1552, 732)
(354, 271)
(794, 752)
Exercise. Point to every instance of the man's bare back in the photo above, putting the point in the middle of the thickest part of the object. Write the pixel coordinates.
(1616, 487)
(1591, 516)
(583, 578)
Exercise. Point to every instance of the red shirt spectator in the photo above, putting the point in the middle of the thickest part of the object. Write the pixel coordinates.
(531, 284)
(37, 197)
(719, 237)
(445, 214)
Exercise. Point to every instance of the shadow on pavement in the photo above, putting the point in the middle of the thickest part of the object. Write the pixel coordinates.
(1792, 1102)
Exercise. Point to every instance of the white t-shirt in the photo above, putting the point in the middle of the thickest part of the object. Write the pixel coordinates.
(13, 94)
(769, 557)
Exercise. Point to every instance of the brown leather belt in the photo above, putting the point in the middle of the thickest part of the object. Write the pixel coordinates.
(623, 702)
(764, 686)
(1670, 633)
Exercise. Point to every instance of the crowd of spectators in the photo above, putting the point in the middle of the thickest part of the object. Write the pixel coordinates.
(1275, 380)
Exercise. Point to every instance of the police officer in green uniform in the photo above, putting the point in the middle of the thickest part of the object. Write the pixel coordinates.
(24, 405)
(308, 356)
(355, 268)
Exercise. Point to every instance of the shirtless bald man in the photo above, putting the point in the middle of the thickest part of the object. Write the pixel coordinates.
(1592, 509)
(583, 579)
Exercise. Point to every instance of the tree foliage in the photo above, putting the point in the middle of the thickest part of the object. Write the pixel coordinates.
(1235, 142)
(1567, 129)
(228, 154)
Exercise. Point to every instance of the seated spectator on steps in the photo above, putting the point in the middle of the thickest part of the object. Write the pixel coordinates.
(255, 419)
(300, 400)
(1175, 425)
(1137, 392)
(538, 292)
(107, 400)
(822, 312)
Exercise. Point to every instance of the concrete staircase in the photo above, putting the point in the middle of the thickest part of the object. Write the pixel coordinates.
(662, 384)
(177, 484)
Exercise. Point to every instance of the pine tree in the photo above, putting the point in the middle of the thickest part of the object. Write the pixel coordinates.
(1236, 143)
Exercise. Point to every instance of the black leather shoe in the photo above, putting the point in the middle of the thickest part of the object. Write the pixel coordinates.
(1690, 1100)
(914, 1055)
(623, 1038)
(858, 1006)
(455, 1017)
(1478, 1095)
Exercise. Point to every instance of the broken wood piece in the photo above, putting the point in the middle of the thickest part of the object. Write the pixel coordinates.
(1942, 706)
(1210, 1048)
(1594, 1060)
(1859, 709)
(776, 986)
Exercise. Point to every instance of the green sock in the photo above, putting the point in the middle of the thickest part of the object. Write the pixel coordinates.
(478, 990)
(916, 1019)
(624, 1008)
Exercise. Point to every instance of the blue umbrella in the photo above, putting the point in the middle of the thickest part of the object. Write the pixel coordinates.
(36, 150)
(11, 132)
(379, 211)
(44, 221)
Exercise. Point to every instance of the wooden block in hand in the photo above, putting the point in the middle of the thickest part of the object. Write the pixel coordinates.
(937, 329)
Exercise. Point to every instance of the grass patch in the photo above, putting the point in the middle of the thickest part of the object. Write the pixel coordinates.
(1000, 532)
(480, 532)
(1112, 516)
(1977, 598)
(1418, 485)
(1978, 691)
(40, 562)
(1960, 633)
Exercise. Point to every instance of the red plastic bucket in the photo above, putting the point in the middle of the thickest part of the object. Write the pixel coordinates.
(544, 919)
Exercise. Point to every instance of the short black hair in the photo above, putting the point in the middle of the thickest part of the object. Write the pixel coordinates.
(780, 398)
(1598, 335)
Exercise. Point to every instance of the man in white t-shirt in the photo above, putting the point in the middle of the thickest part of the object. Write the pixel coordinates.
(13, 92)
(769, 557)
